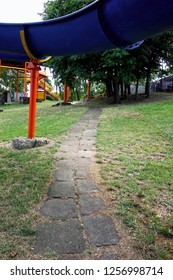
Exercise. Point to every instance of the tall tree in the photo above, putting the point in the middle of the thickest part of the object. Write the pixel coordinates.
(150, 57)
(8, 80)
(65, 68)
(58, 8)
(115, 67)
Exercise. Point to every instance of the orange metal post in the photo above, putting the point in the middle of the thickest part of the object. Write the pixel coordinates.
(17, 86)
(89, 90)
(65, 92)
(34, 68)
(44, 86)
(25, 78)
(68, 93)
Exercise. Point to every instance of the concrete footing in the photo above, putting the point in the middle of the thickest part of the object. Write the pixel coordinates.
(27, 143)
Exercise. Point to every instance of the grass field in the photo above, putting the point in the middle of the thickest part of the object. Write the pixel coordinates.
(135, 153)
(24, 175)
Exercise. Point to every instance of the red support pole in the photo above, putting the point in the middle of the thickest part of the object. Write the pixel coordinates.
(89, 90)
(44, 86)
(25, 80)
(17, 86)
(34, 68)
(68, 93)
(65, 92)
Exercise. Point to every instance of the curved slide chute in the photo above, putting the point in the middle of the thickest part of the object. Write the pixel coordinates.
(102, 25)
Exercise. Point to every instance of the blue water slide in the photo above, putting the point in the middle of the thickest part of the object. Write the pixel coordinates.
(102, 25)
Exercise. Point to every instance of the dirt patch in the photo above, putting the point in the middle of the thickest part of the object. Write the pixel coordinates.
(131, 115)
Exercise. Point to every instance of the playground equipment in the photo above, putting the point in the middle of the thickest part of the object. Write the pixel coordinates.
(20, 67)
(45, 86)
(102, 25)
(17, 68)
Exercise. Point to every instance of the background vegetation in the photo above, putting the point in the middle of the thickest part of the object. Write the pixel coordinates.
(116, 69)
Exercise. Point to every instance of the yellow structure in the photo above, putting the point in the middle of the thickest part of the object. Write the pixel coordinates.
(41, 95)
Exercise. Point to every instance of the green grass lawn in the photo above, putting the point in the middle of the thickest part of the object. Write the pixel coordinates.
(135, 153)
(25, 174)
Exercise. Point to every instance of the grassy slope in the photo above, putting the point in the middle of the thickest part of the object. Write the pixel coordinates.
(135, 152)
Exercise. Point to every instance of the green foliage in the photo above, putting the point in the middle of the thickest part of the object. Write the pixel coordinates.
(152, 53)
(114, 67)
(58, 8)
(8, 80)
(67, 69)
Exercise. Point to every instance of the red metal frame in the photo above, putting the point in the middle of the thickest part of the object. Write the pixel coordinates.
(17, 86)
(89, 90)
(65, 92)
(25, 79)
(34, 67)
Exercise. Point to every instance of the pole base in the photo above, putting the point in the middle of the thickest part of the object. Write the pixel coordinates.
(27, 143)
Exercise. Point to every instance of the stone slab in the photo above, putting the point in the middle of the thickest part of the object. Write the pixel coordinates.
(60, 237)
(65, 164)
(62, 174)
(92, 125)
(83, 172)
(67, 148)
(77, 129)
(87, 147)
(86, 186)
(70, 143)
(90, 204)
(84, 141)
(66, 155)
(89, 133)
(75, 135)
(62, 189)
(86, 154)
(59, 209)
(100, 230)
(84, 163)
(61, 155)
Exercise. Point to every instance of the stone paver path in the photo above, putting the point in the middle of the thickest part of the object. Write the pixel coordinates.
(75, 212)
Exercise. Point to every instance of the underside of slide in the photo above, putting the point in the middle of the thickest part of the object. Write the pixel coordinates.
(102, 25)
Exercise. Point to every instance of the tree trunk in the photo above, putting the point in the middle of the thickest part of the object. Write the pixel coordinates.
(125, 90)
(129, 89)
(136, 89)
(77, 94)
(109, 88)
(147, 85)
(116, 92)
(123, 96)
